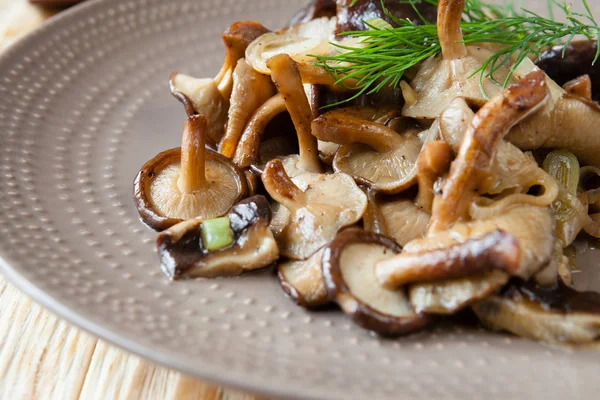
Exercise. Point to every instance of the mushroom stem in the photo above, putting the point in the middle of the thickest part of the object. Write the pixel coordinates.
(341, 128)
(281, 187)
(314, 75)
(286, 77)
(449, 32)
(247, 150)
(434, 161)
(496, 250)
(192, 176)
(373, 220)
(480, 144)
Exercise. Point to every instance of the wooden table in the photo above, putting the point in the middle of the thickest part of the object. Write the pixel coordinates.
(44, 357)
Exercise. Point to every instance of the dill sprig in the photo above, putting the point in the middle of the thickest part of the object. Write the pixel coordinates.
(386, 53)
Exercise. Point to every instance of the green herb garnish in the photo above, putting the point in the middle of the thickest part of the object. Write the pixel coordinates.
(387, 53)
(216, 233)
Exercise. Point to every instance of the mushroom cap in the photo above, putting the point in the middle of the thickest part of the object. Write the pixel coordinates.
(556, 315)
(389, 172)
(161, 203)
(202, 96)
(349, 272)
(440, 81)
(303, 281)
(183, 256)
(329, 203)
(298, 42)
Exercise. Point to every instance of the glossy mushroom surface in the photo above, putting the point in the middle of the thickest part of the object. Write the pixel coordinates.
(329, 203)
(187, 182)
(184, 255)
(349, 271)
(303, 281)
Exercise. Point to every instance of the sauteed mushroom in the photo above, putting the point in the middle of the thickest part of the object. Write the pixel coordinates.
(286, 77)
(187, 250)
(330, 202)
(316, 9)
(554, 315)
(349, 272)
(433, 162)
(303, 281)
(533, 227)
(443, 78)
(187, 182)
(250, 91)
(480, 145)
(372, 153)
(495, 250)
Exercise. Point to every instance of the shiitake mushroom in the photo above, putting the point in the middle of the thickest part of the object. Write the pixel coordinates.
(187, 182)
(186, 251)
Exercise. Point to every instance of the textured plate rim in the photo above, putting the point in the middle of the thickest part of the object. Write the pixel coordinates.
(10, 268)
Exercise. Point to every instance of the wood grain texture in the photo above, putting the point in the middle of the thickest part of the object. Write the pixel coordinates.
(44, 357)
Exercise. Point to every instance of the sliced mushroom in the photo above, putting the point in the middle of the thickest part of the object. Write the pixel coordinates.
(316, 9)
(569, 122)
(554, 315)
(184, 253)
(496, 250)
(372, 153)
(300, 42)
(433, 162)
(532, 226)
(400, 219)
(330, 203)
(581, 86)
(286, 77)
(187, 182)
(565, 64)
(248, 149)
(443, 78)
(210, 96)
(303, 281)
(349, 272)
(480, 146)
(251, 90)
(202, 96)
(510, 170)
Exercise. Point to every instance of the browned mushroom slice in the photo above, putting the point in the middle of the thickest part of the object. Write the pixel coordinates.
(349, 272)
(554, 315)
(372, 153)
(452, 74)
(202, 96)
(532, 226)
(577, 59)
(495, 250)
(480, 146)
(303, 281)
(251, 90)
(286, 77)
(187, 182)
(567, 113)
(184, 252)
(581, 86)
(301, 42)
(352, 13)
(330, 202)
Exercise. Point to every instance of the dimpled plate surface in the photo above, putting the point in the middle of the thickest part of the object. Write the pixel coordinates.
(84, 102)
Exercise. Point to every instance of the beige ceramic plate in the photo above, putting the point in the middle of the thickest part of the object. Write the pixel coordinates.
(84, 102)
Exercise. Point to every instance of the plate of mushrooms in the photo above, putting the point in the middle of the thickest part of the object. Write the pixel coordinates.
(357, 198)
